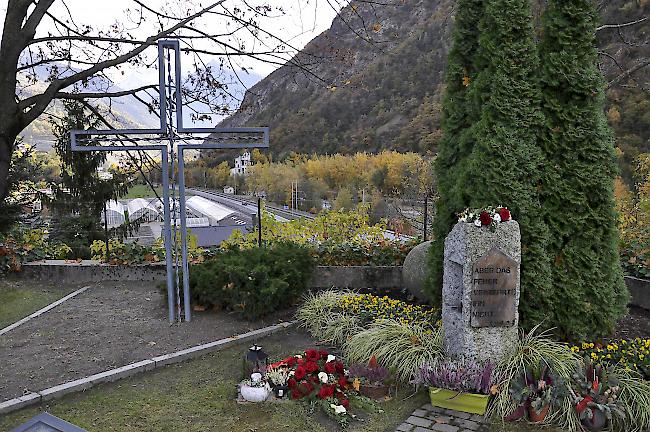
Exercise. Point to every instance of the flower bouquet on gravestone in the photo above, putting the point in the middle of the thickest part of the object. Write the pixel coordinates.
(458, 384)
(321, 379)
(535, 392)
(489, 217)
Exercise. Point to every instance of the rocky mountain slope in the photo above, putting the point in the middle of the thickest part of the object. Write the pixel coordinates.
(374, 80)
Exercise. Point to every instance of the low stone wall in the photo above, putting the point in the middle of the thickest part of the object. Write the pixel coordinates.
(639, 291)
(59, 271)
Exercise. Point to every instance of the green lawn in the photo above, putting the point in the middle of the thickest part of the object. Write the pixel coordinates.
(142, 191)
(199, 395)
(16, 303)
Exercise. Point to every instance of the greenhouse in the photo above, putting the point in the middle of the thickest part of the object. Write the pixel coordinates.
(114, 213)
(144, 210)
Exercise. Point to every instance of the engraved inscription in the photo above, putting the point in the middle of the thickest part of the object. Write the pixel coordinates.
(494, 290)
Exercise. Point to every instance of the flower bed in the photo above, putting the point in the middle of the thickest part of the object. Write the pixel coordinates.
(565, 393)
(371, 308)
(23, 245)
(633, 354)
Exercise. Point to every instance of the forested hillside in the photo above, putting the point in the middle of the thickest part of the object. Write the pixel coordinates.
(373, 81)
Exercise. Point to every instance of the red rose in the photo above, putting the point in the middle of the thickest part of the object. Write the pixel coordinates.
(330, 367)
(343, 382)
(345, 403)
(485, 218)
(505, 214)
(300, 362)
(323, 354)
(300, 373)
(314, 379)
(311, 366)
(312, 355)
(291, 362)
(326, 391)
(339, 367)
(295, 394)
(292, 383)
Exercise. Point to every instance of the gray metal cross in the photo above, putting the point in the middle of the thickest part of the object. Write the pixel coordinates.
(164, 139)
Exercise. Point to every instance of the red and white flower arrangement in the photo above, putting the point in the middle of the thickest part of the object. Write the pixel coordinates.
(319, 377)
(488, 216)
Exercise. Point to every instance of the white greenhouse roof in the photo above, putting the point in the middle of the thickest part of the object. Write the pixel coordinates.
(208, 208)
(141, 205)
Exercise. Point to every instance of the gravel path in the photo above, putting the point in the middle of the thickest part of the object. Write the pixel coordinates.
(110, 325)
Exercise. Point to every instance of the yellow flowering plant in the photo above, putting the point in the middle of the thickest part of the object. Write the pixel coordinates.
(632, 354)
(370, 308)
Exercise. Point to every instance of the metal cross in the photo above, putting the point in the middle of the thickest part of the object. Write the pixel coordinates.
(163, 139)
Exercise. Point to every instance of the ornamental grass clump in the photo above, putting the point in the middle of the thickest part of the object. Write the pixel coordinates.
(317, 308)
(533, 349)
(635, 397)
(402, 348)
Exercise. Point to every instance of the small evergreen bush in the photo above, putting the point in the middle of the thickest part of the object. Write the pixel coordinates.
(254, 282)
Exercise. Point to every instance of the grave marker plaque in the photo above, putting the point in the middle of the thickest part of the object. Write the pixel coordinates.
(494, 290)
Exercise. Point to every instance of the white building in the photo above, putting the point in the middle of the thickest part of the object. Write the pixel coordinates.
(242, 163)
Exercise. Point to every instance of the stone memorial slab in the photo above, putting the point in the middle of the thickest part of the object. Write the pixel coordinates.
(480, 294)
(494, 290)
(45, 422)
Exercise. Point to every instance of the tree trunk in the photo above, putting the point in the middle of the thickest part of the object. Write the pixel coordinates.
(6, 149)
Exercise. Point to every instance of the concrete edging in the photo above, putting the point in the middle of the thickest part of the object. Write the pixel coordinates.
(42, 311)
(58, 391)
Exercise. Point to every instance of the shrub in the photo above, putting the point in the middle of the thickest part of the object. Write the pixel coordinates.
(21, 245)
(254, 282)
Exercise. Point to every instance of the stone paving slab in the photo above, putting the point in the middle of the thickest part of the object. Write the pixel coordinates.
(431, 419)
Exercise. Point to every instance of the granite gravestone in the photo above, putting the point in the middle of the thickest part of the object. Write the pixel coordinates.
(480, 294)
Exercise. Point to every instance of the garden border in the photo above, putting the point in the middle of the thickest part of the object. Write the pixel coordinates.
(56, 392)
(43, 310)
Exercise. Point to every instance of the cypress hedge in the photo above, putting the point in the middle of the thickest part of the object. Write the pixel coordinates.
(456, 143)
(589, 294)
(493, 158)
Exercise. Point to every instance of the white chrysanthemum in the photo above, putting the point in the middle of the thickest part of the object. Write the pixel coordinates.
(477, 222)
(338, 409)
(322, 376)
(497, 217)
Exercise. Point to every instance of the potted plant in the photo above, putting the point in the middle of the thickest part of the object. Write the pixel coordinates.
(535, 392)
(254, 389)
(370, 380)
(595, 393)
(278, 377)
(458, 384)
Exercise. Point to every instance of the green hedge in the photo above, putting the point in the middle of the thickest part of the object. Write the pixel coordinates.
(254, 282)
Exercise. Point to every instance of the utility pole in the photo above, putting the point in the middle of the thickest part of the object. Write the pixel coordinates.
(426, 215)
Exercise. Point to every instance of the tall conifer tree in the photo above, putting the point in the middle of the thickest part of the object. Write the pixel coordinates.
(455, 145)
(578, 200)
(505, 164)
